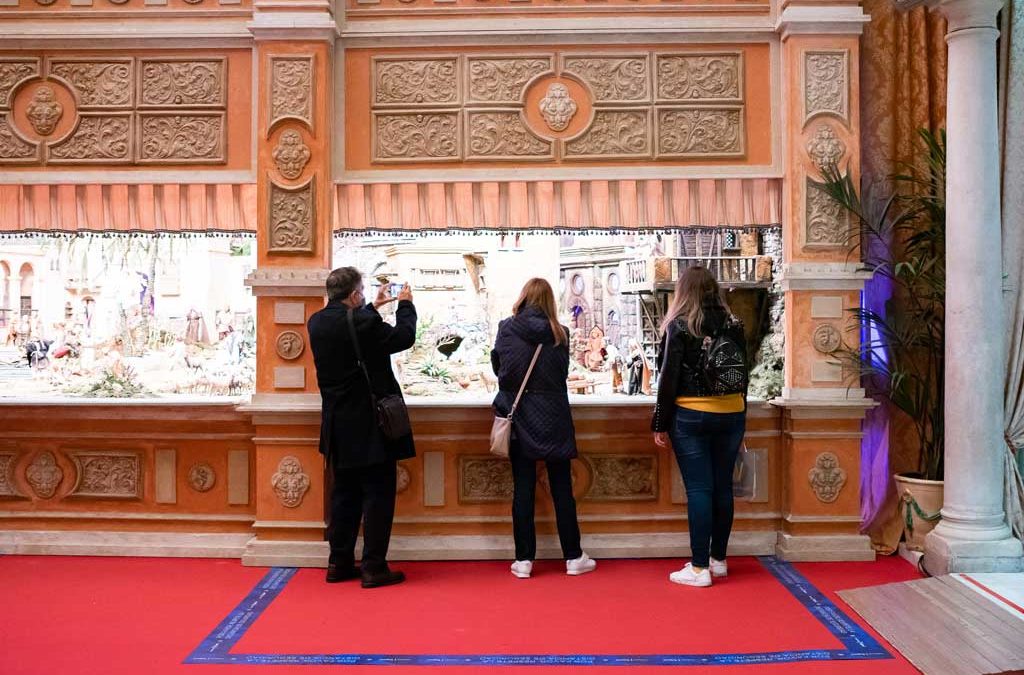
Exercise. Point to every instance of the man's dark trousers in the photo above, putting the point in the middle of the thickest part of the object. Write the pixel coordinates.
(367, 494)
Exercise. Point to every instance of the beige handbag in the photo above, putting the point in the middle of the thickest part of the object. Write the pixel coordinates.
(501, 430)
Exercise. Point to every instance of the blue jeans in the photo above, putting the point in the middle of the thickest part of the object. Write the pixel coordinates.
(706, 445)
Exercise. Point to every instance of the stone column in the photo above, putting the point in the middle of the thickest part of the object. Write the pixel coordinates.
(822, 418)
(973, 535)
(295, 42)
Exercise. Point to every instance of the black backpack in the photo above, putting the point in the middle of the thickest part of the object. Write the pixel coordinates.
(722, 362)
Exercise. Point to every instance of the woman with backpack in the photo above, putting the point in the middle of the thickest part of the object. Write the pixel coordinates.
(531, 355)
(701, 410)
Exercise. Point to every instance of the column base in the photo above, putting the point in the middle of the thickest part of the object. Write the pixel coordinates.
(135, 544)
(945, 555)
(824, 548)
(271, 553)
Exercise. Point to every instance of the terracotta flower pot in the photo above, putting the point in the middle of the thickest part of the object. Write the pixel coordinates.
(920, 502)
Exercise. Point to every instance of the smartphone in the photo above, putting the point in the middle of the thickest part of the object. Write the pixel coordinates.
(395, 288)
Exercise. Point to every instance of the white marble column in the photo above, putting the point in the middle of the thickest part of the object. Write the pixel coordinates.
(973, 535)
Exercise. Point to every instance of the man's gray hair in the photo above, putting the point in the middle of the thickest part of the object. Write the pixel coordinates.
(341, 282)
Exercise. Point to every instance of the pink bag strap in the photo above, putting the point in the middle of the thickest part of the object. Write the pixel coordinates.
(522, 387)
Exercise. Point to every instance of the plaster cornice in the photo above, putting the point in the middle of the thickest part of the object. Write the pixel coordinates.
(822, 20)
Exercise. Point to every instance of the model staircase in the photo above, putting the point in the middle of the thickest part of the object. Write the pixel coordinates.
(652, 311)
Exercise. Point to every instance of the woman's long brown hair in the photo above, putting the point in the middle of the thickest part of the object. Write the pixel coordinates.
(695, 288)
(537, 293)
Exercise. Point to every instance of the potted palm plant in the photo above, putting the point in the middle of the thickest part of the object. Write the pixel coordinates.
(901, 355)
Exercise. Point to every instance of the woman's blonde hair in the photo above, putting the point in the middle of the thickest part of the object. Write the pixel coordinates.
(695, 288)
(537, 293)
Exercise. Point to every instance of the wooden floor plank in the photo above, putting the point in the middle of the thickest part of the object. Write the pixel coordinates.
(1006, 628)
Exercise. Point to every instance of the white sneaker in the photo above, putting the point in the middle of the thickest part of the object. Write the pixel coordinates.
(719, 568)
(522, 568)
(580, 565)
(688, 577)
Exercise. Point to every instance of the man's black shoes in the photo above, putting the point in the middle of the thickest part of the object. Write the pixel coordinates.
(336, 573)
(383, 578)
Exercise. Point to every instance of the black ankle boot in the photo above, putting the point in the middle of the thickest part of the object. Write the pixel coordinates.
(385, 577)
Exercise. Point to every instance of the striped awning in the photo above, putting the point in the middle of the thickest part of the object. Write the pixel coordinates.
(147, 208)
(558, 205)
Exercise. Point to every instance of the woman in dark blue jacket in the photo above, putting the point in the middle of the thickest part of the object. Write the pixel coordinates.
(542, 427)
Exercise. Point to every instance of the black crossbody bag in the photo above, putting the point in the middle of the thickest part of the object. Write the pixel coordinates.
(391, 413)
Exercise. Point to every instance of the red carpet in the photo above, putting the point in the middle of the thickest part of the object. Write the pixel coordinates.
(111, 615)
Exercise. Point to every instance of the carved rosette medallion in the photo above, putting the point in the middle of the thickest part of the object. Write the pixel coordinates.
(623, 477)
(700, 132)
(99, 84)
(503, 80)
(696, 77)
(290, 482)
(103, 474)
(557, 107)
(291, 89)
(291, 218)
(44, 475)
(181, 139)
(502, 134)
(12, 73)
(613, 79)
(291, 155)
(202, 477)
(402, 479)
(173, 83)
(825, 148)
(7, 485)
(827, 478)
(415, 81)
(44, 111)
(827, 223)
(98, 139)
(826, 338)
(614, 134)
(290, 345)
(416, 136)
(826, 84)
(484, 479)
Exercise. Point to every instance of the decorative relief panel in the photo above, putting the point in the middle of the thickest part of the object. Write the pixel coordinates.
(416, 136)
(700, 132)
(106, 474)
(700, 77)
(169, 138)
(290, 482)
(178, 82)
(826, 84)
(291, 154)
(7, 486)
(827, 478)
(623, 477)
(613, 79)
(825, 148)
(290, 345)
(13, 72)
(502, 80)
(826, 338)
(291, 89)
(557, 107)
(99, 84)
(415, 81)
(502, 135)
(44, 475)
(99, 139)
(292, 215)
(13, 148)
(483, 478)
(827, 223)
(614, 133)
(44, 112)
(202, 477)
(402, 479)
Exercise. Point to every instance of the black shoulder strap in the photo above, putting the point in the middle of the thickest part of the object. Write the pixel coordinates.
(359, 354)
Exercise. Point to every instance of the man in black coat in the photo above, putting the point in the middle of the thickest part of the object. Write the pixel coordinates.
(363, 461)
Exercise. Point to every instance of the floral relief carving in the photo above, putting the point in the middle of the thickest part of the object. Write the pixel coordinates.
(98, 83)
(11, 73)
(557, 107)
(13, 148)
(291, 88)
(496, 135)
(44, 111)
(826, 338)
(291, 218)
(290, 482)
(182, 138)
(290, 345)
(623, 477)
(402, 479)
(825, 83)
(202, 477)
(98, 138)
(825, 148)
(700, 131)
(44, 475)
(502, 80)
(415, 81)
(484, 479)
(183, 83)
(107, 475)
(7, 486)
(613, 134)
(827, 223)
(291, 155)
(827, 478)
(417, 136)
(613, 78)
(699, 77)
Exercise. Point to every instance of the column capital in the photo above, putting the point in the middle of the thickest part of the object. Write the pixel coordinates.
(821, 19)
(823, 276)
(961, 14)
(288, 281)
(297, 20)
